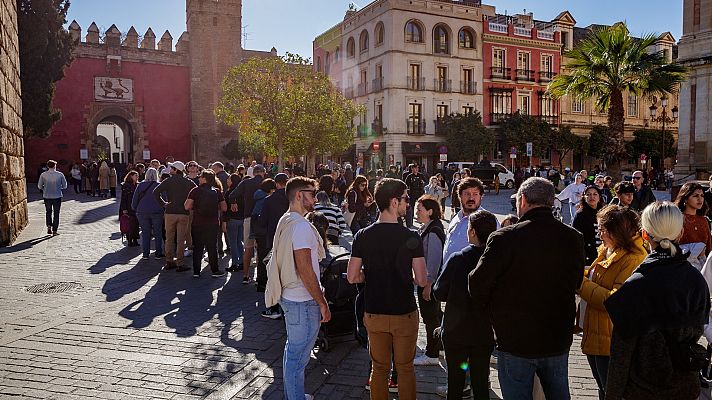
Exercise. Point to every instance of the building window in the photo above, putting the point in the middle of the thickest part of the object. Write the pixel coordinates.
(524, 104)
(468, 81)
(327, 63)
(498, 57)
(501, 104)
(380, 34)
(415, 115)
(363, 41)
(318, 64)
(467, 39)
(415, 81)
(442, 84)
(546, 63)
(337, 54)
(350, 47)
(467, 110)
(441, 40)
(565, 40)
(577, 106)
(523, 66)
(632, 105)
(413, 32)
(441, 110)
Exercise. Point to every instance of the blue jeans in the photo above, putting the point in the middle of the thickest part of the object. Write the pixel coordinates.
(234, 237)
(302, 320)
(516, 376)
(52, 207)
(151, 223)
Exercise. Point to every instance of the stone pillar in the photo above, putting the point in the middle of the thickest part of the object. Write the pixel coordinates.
(13, 187)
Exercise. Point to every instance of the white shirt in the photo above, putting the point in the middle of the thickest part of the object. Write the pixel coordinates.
(303, 237)
(250, 172)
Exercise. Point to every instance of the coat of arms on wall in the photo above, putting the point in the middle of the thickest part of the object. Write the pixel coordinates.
(113, 89)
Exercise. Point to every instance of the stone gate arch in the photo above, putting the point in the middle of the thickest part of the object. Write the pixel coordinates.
(126, 116)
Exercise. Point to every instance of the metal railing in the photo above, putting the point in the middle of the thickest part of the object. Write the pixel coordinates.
(377, 127)
(442, 85)
(546, 35)
(519, 31)
(546, 76)
(525, 75)
(362, 89)
(496, 118)
(415, 126)
(377, 84)
(500, 73)
(349, 92)
(550, 119)
(494, 27)
(415, 83)
(468, 87)
(440, 127)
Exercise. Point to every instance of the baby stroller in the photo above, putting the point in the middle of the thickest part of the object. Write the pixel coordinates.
(340, 296)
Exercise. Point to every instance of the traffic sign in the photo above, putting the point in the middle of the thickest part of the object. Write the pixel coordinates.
(512, 150)
(529, 149)
(443, 157)
(643, 157)
(513, 155)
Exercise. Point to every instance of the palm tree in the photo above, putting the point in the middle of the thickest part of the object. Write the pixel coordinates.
(607, 63)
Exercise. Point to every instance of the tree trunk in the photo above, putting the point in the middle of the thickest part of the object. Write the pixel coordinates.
(615, 148)
(310, 167)
(280, 155)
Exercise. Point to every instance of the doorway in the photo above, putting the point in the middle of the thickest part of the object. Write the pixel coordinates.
(114, 141)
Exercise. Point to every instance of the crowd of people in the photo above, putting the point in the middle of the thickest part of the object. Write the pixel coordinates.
(639, 268)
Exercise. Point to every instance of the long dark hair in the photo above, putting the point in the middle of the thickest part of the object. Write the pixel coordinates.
(235, 179)
(209, 176)
(582, 205)
(355, 187)
(687, 190)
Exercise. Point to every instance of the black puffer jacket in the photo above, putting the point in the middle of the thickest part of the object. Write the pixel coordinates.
(585, 222)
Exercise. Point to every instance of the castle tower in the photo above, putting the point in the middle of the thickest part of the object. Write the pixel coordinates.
(215, 29)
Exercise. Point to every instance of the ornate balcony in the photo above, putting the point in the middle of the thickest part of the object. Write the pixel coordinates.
(496, 118)
(442, 85)
(468, 87)
(546, 76)
(377, 84)
(415, 83)
(415, 126)
(500, 73)
(526, 75)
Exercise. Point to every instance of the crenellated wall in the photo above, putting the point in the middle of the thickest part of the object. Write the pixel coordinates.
(13, 193)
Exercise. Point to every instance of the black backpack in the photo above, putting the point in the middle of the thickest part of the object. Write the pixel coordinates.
(206, 205)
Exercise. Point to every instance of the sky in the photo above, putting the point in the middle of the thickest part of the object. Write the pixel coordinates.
(292, 25)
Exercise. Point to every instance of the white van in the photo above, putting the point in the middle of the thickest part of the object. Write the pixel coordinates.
(506, 177)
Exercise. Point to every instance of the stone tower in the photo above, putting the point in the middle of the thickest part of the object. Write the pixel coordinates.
(215, 32)
(694, 149)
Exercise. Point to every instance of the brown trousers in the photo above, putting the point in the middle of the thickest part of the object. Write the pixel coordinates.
(395, 335)
(177, 227)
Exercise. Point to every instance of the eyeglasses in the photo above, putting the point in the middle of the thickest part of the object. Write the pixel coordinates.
(312, 191)
(637, 177)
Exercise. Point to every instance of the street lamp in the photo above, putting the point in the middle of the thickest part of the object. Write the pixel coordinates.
(664, 118)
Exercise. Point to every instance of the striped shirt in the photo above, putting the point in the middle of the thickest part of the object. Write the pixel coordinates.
(337, 223)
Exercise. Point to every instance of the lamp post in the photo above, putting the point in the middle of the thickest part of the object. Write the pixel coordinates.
(664, 118)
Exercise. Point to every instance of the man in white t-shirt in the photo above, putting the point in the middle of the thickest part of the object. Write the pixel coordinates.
(304, 305)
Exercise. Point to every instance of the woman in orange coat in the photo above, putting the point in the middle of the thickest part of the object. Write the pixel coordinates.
(696, 229)
(619, 255)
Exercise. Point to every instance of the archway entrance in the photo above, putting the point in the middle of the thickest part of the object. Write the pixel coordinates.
(114, 140)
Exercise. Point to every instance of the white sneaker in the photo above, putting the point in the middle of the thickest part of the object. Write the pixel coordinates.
(425, 360)
(187, 253)
(308, 396)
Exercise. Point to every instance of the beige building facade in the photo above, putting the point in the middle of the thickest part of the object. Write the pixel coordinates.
(695, 52)
(409, 63)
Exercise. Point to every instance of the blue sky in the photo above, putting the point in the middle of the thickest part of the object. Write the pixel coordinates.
(291, 25)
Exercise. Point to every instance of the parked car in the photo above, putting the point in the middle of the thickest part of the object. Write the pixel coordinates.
(506, 177)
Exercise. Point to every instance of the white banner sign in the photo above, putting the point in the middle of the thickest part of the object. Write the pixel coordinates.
(84, 154)
(113, 89)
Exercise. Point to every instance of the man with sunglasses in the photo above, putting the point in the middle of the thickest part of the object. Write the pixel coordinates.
(387, 257)
(643, 195)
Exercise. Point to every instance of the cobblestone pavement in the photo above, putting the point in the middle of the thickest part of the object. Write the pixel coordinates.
(129, 331)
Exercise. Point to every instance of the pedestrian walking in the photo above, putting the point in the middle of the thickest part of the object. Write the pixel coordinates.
(176, 220)
(432, 234)
(359, 201)
(76, 176)
(385, 257)
(104, 172)
(530, 293)
(94, 179)
(113, 181)
(293, 282)
(470, 192)
(150, 214)
(233, 225)
(643, 194)
(207, 202)
(223, 176)
(658, 316)
(245, 193)
(586, 222)
(621, 253)
(51, 183)
(259, 231)
(573, 194)
(434, 189)
(128, 187)
(466, 330)
(606, 194)
(332, 212)
(416, 188)
(454, 198)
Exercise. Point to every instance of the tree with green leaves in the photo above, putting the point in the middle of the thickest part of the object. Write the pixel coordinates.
(597, 143)
(650, 143)
(607, 63)
(467, 138)
(285, 106)
(563, 141)
(518, 129)
(45, 49)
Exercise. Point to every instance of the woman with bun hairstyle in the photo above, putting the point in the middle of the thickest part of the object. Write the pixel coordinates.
(658, 316)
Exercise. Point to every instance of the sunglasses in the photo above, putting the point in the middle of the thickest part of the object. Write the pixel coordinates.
(637, 177)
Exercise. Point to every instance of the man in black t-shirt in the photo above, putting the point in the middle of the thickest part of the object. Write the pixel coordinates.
(385, 256)
(415, 181)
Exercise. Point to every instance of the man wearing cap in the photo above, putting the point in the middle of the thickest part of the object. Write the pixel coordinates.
(643, 195)
(244, 194)
(177, 220)
(274, 207)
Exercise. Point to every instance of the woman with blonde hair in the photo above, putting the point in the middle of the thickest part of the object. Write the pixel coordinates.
(658, 316)
(621, 253)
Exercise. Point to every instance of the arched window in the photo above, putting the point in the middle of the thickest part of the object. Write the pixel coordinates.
(337, 54)
(467, 38)
(318, 64)
(441, 40)
(380, 34)
(350, 47)
(363, 41)
(413, 32)
(327, 63)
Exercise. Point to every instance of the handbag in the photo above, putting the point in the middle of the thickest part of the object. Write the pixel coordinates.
(348, 215)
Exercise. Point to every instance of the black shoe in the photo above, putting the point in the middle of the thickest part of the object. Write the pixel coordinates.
(49, 230)
(55, 233)
(158, 256)
(218, 274)
(272, 314)
(183, 268)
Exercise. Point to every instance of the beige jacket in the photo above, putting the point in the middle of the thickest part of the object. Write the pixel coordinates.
(281, 270)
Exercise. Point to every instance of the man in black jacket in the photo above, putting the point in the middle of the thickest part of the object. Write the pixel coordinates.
(643, 195)
(274, 207)
(245, 194)
(530, 294)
